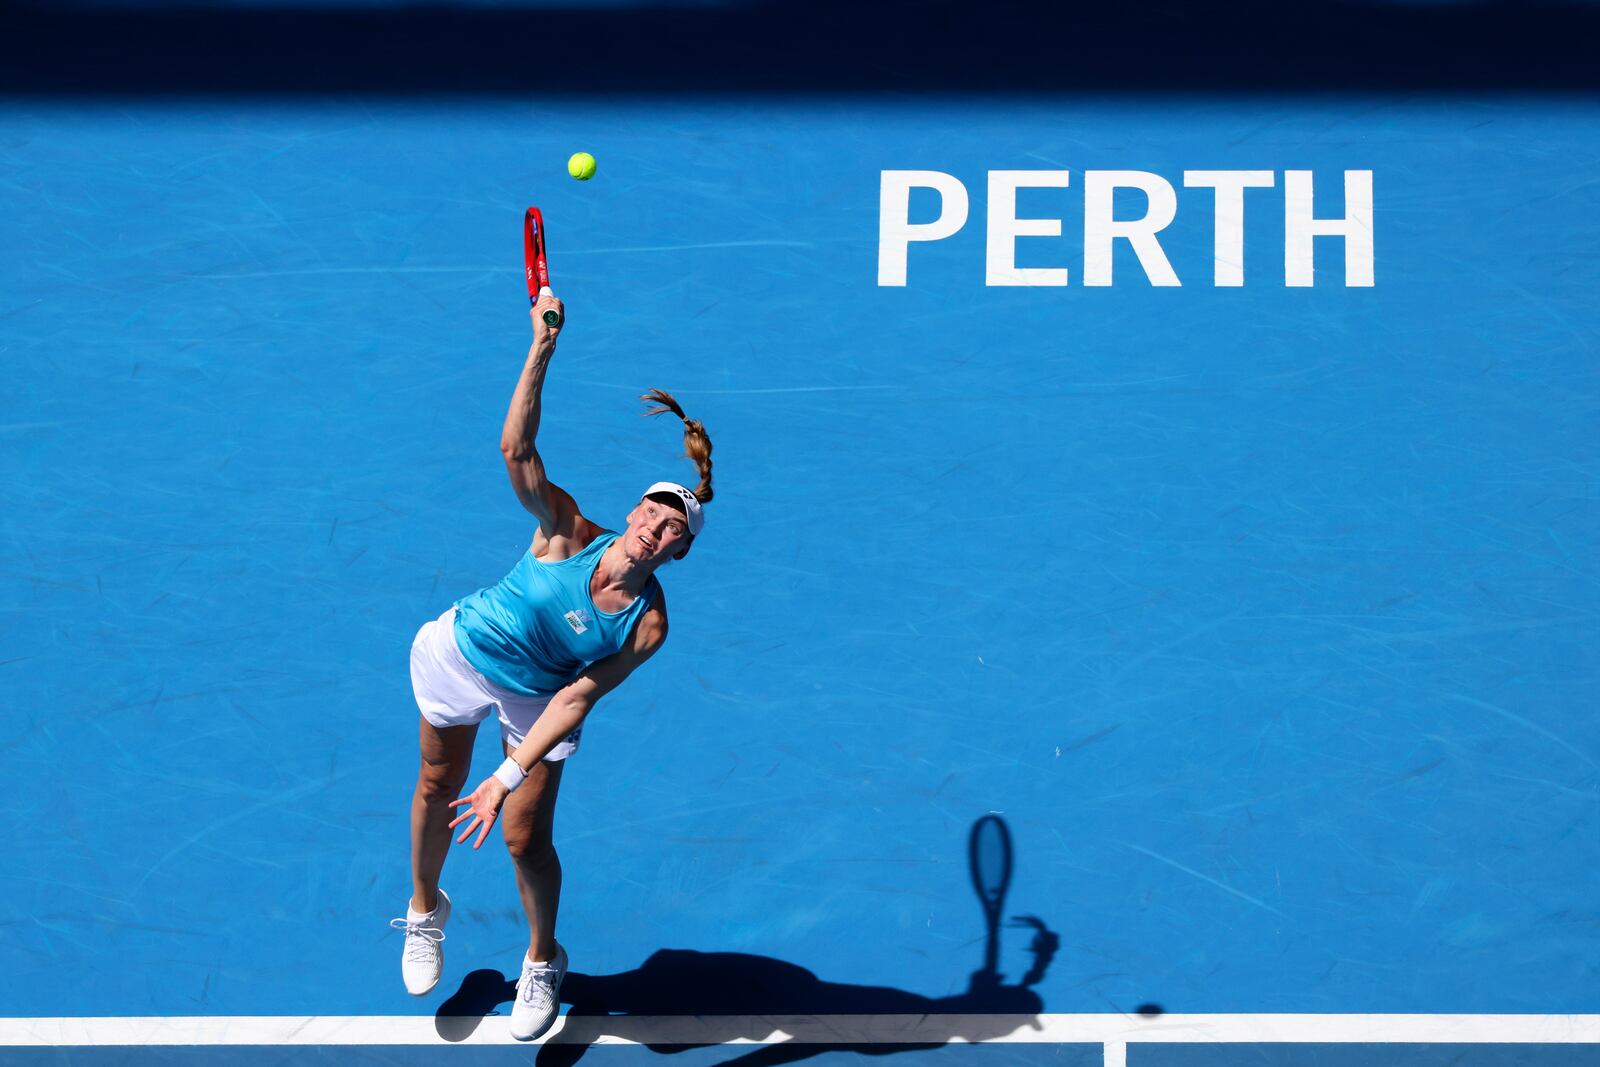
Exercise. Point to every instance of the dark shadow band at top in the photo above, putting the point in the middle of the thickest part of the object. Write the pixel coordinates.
(897, 49)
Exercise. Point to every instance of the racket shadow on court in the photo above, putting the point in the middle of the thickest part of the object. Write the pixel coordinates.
(738, 986)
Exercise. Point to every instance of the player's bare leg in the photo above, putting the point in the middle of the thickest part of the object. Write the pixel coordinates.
(527, 821)
(446, 761)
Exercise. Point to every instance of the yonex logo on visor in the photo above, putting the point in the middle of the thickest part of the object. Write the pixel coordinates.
(691, 506)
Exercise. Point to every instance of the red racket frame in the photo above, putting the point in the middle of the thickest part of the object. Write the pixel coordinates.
(538, 267)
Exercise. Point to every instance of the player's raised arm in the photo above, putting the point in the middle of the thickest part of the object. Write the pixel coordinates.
(554, 508)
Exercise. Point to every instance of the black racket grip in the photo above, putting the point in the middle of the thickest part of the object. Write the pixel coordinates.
(552, 317)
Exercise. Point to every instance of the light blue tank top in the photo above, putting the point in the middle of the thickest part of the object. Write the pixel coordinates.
(537, 628)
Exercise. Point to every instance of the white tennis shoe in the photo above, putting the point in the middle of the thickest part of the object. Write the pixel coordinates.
(422, 960)
(538, 996)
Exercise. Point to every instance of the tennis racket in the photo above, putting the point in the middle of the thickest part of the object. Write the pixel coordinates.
(538, 268)
(989, 854)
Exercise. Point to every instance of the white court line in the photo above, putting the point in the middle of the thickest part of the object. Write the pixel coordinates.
(498, 268)
(1114, 1032)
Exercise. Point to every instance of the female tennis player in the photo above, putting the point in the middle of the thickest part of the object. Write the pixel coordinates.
(576, 615)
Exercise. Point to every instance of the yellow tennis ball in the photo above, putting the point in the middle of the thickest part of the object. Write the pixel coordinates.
(581, 166)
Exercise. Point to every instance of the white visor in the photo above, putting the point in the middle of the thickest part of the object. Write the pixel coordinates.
(691, 507)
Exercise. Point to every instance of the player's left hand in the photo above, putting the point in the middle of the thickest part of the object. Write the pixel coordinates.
(483, 807)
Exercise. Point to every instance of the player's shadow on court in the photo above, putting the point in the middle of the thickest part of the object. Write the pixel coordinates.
(731, 987)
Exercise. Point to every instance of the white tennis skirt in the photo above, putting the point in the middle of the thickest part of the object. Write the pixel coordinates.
(452, 692)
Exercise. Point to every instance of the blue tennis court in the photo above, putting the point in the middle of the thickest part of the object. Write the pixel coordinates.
(1263, 615)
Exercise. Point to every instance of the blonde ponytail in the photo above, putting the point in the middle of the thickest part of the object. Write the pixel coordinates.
(696, 443)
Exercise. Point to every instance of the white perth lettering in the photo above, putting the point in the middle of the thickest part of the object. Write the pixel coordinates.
(1102, 229)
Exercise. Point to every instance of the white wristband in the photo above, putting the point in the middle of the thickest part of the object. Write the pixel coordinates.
(511, 774)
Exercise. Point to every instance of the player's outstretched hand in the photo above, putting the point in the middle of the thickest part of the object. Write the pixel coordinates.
(483, 807)
(544, 333)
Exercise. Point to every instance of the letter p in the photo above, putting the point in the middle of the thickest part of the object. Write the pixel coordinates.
(896, 231)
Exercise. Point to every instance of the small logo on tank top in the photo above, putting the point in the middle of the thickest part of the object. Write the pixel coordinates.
(579, 621)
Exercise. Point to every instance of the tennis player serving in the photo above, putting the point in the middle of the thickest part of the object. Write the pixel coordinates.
(576, 615)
